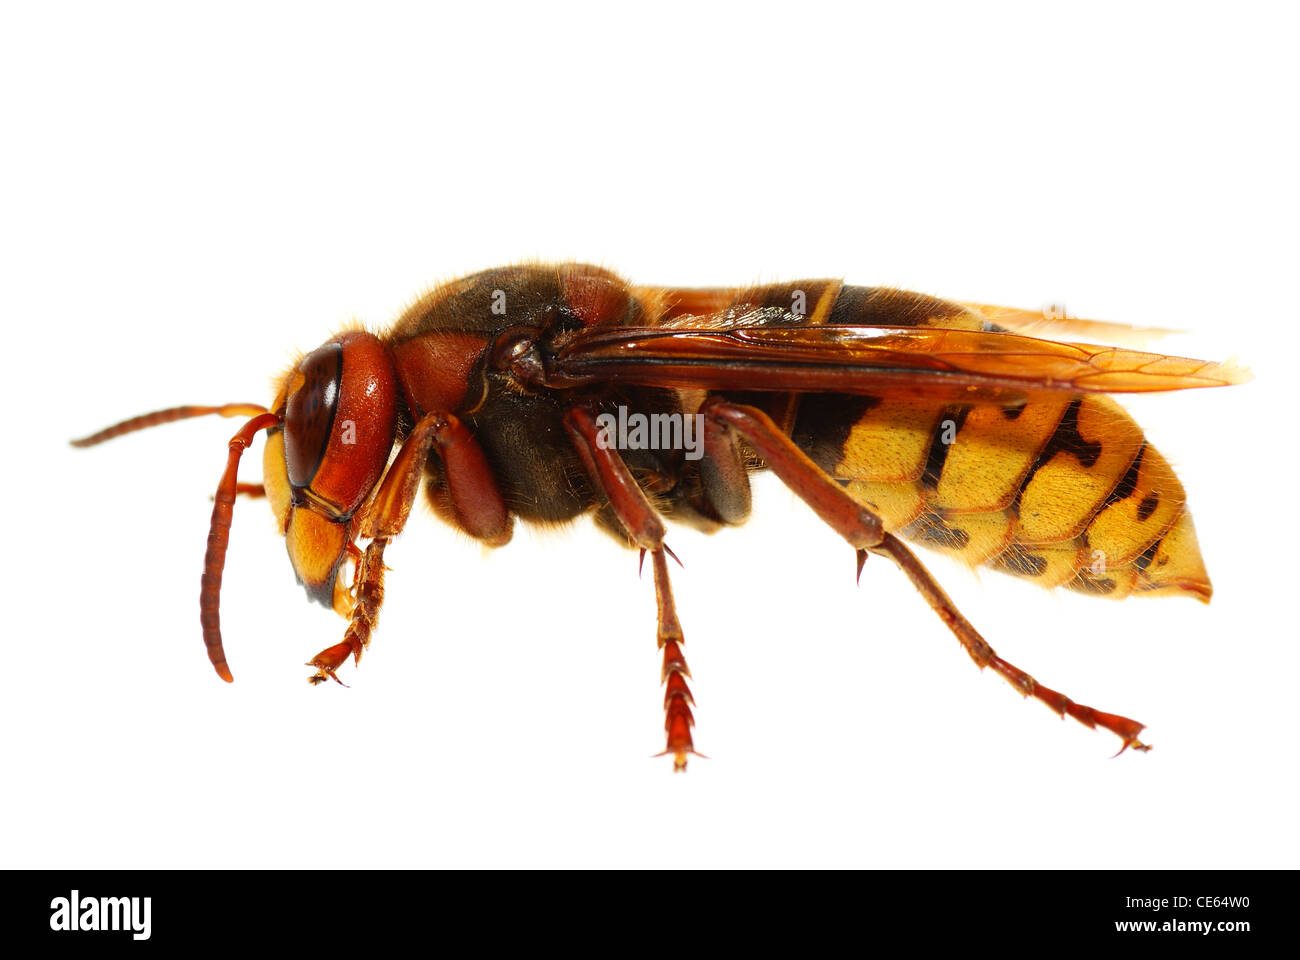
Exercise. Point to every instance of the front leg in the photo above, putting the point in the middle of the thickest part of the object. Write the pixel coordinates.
(475, 496)
(612, 477)
(369, 589)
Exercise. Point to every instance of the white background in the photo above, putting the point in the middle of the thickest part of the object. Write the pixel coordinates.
(188, 198)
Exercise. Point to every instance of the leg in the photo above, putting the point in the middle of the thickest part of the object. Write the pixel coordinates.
(678, 719)
(369, 587)
(864, 532)
(476, 502)
(611, 476)
(724, 481)
(476, 499)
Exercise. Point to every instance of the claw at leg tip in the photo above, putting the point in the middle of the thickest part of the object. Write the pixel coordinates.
(322, 674)
(1135, 743)
(679, 758)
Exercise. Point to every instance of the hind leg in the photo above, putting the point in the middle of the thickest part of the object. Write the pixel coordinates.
(865, 533)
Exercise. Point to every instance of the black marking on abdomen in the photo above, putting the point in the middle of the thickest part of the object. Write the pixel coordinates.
(1015, 560)
(930, 528)
(1148, 505)
(1085, 582)
(886, 307)
(822, 426)
(1148, 555)
(1128, 483)
(1065, 439)
(938, 454)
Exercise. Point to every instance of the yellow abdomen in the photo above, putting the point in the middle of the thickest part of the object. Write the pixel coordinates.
(1065, 493)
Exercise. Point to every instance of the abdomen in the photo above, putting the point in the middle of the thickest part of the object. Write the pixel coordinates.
(1063, 492)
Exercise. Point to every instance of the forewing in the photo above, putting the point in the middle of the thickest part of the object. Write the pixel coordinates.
(970, 366)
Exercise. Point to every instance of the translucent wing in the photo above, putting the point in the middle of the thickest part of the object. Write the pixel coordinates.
(971, 366)
(1052, 321)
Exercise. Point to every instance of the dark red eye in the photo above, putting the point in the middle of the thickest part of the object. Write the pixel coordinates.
(309, 413)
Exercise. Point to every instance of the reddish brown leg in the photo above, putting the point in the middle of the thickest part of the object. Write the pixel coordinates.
(984, 655)
(678, 719)
(369, 587)
(475, 497)
(864, 531)
(612, 477)
(474, 493)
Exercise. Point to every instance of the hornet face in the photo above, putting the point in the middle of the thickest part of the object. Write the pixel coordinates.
(338, 408)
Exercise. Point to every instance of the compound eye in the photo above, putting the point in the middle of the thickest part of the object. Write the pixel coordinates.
(309, 412)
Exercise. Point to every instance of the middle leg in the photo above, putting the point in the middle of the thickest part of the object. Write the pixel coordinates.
(628, 501)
